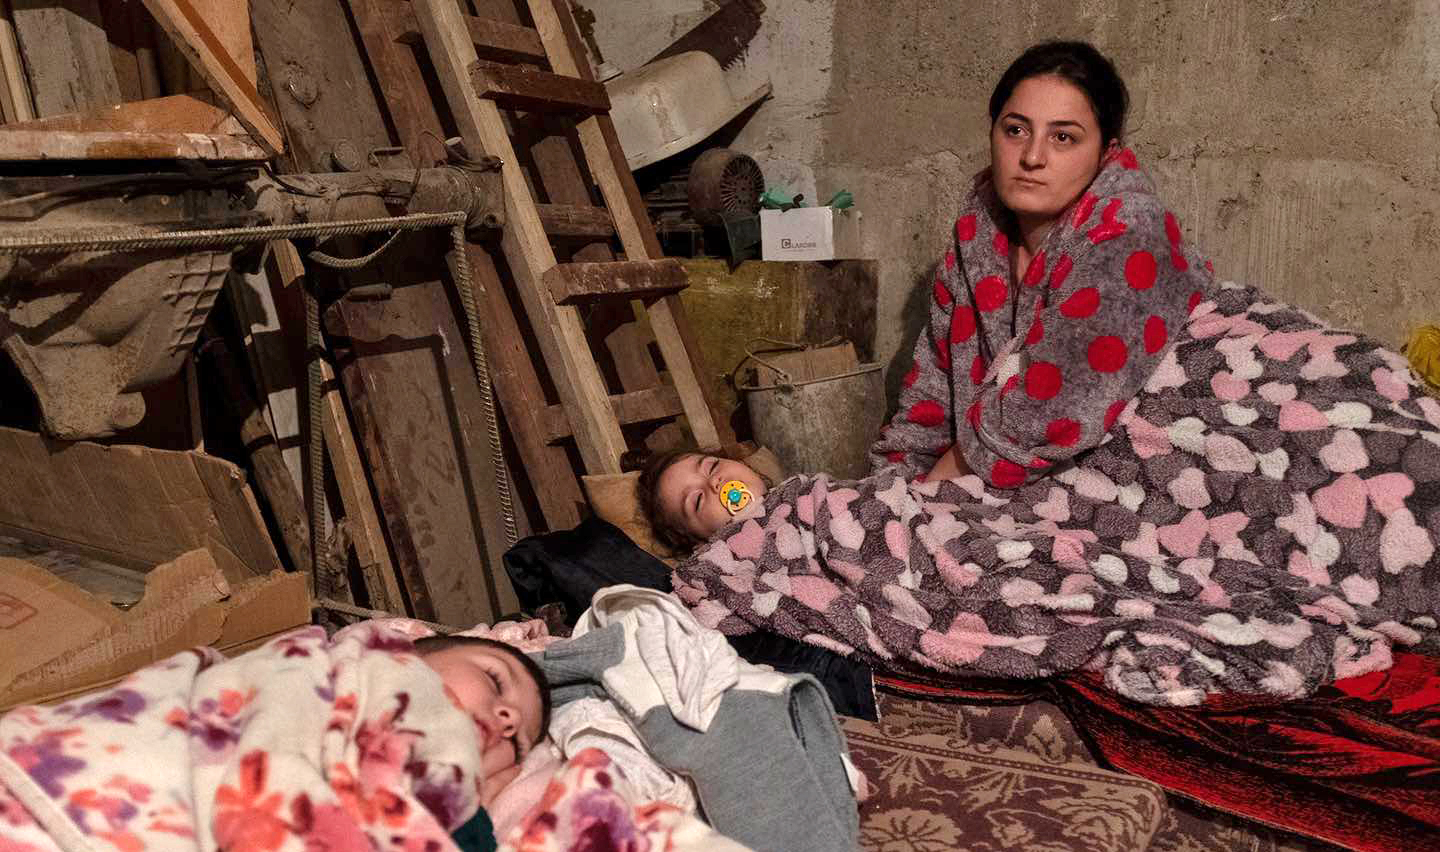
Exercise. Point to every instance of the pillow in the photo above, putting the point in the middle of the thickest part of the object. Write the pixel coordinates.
(613, 498)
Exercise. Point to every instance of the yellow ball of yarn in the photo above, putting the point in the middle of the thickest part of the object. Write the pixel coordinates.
(1423, 350)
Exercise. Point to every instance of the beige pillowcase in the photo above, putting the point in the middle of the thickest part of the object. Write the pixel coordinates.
(614, 499)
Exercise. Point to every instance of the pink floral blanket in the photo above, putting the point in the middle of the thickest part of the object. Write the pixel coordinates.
(300, 746)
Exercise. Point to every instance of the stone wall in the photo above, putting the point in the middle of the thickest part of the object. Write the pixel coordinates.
(1298, 140)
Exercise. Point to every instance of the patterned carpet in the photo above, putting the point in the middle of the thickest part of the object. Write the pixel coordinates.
(951, 776)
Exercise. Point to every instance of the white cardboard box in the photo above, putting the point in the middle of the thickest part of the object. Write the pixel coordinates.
(810, 233)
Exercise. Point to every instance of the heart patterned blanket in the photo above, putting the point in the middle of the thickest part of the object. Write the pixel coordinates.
(1246, 503)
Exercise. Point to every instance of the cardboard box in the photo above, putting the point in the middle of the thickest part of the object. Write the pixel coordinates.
(188, 521)
(135, 507)
(810, 233)
(57, 641)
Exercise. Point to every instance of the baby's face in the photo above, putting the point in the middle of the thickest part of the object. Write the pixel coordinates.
(498, 694)
(690, 492)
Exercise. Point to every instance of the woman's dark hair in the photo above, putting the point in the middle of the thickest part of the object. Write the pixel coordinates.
(435, 644)
(1080, 64)
(647, 491)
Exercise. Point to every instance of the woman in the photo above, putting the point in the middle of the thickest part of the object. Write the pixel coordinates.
(1181, 483)
(1066, 283)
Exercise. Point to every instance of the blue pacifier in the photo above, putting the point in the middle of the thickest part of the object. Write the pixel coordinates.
(734, 496)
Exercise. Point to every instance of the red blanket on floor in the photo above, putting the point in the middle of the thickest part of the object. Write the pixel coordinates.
(1358, 764)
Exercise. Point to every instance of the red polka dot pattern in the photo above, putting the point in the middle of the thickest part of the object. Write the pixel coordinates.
(1007, 474)
(895, 456)
(927, 413)
(1113, 413)
(1039, 464)
(1195, 299)
(1042, 380)
(962, 324)
(1002, 244)
(965, 228)
(1035, 272)
(1172, 228)
(950, 260)
(1036, 333)
(977, 370)
(1010, 384)
(1127, 159)
(911, 376)
(942, 355)
(1140, 270)
(942, 294)
(1062, 432)
(1081, 304)
(991, 293)
(1107, 353)
(972, 414)
(1155, 334)
(1172, 233)
(1061, 271)
(1084, 209)
(1110, 225)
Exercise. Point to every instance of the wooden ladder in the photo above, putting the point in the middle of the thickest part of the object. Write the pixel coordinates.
(474, 59)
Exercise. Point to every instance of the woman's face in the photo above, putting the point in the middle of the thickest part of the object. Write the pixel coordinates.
(1045, 148)
(689, 492)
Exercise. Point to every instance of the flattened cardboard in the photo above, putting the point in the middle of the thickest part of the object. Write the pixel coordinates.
(187, 603)
(134, 506)
(34, 604)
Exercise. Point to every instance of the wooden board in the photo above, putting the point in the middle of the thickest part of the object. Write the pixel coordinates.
(18, 104)
(346, 108)
(412, 392)
(571, 283)
(366, 533)
(66, 55)
(519, 87)
(233, 82)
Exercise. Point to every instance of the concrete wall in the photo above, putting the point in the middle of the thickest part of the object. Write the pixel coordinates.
(1298, 140)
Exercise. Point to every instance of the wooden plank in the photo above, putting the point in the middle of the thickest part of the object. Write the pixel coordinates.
(120, 26)
(66, 54)
(368, 537)
(273, 358)
(173, 114)
(192, 400)
(411, 108)
(417, 411)
(276, 483)
(522, 398)
(20, 105)
(125, 145)
(573, 283)
(576, 222)
(347, 108)
(230, 21)
(523, 88)
(496, 40)
(605, 158)
(643, 406)
(195, 38)
(558, 327)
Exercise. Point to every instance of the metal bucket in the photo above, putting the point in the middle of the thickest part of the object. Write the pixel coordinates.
(820, 425)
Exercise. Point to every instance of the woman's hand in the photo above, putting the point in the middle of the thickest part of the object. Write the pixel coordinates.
(950, 466)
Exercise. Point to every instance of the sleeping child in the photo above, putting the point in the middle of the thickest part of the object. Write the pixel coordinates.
(363, 742)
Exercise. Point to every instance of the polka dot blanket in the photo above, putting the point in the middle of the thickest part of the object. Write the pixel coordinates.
(1181, 483)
